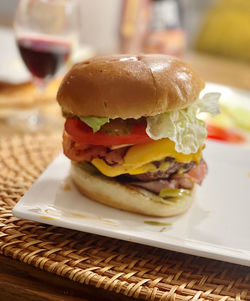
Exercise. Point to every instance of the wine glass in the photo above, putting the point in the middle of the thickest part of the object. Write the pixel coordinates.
(46, 31)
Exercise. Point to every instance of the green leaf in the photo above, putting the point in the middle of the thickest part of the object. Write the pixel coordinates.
(183, 126)
(94, 122)
(239, 115)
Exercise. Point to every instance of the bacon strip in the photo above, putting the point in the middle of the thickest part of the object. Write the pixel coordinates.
(85, 152)
(176, 181)
(199, 172)
(182, 181)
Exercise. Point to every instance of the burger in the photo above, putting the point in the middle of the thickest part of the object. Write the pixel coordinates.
(133, 132)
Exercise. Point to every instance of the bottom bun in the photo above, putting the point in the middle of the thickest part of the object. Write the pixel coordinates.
(112, 193)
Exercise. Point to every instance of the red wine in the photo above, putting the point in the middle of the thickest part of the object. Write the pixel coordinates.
(43, 58)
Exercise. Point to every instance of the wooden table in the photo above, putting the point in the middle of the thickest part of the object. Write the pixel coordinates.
(19, 281)
(221, 70)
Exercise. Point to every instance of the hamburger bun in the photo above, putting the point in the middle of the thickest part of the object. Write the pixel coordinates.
(122, 86)
(112, 193)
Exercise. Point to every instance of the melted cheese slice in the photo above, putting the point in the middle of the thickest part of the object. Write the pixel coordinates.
(139, 157)
(149, 167)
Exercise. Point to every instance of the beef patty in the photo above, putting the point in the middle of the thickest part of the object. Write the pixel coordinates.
(170, 178)
(173, 168)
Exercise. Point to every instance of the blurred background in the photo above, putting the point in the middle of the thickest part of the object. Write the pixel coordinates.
(100, 20)
(103, 23)
(212, 35)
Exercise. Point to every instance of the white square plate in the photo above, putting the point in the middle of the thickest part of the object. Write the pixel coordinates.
(216, 226)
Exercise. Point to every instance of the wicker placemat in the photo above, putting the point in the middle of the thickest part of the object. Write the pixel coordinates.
(130, 269)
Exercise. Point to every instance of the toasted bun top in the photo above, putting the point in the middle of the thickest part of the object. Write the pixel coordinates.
(128, 86)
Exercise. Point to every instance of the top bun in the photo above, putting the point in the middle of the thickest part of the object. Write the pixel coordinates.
(128, 86)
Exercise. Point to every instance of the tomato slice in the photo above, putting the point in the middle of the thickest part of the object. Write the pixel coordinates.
(228, 135)
(82, 133)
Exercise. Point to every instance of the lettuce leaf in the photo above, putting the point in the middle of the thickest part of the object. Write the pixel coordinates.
(94, 122)
(209, 103)
(183, 126)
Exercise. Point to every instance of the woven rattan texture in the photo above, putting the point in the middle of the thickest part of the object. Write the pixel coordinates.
(130, 269)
